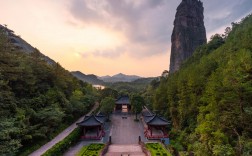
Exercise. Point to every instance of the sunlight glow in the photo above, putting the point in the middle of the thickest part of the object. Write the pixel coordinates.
(95, 37)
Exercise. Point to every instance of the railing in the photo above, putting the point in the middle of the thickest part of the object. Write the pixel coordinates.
(143, 147)
(147, 135)
(106, 147)
(157, 136)
(94, 137)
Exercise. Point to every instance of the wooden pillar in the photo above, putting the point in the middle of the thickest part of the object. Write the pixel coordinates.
(97, 131)
(84, 131)
(110, 141)
(151, 130)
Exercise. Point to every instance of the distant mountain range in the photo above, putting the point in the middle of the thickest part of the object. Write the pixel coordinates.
(22, 45)
(93, 79)
(119, 78)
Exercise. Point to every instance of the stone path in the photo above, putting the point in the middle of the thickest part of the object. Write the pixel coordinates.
(126, 131)
(127, 150)
(76, 148)
(60, 136)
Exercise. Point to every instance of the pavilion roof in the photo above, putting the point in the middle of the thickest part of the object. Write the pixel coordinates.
(155, 120)
(92, 120)
(146, 112)
(123, 100)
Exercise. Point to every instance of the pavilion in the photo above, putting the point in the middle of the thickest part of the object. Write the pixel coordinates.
(123, 104)
(155, 126)
(93, 126)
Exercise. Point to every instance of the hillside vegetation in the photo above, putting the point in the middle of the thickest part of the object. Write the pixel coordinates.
(209, 100)
(136, 86)
(37, 99)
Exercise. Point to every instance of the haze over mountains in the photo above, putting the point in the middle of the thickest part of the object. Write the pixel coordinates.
(25, 47)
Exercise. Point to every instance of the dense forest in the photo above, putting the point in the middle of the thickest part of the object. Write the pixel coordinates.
(37, 99)
(136, 86)
(209, 100)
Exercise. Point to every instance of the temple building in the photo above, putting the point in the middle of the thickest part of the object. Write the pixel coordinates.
(92, 126)
(155, 126)
(123, 104)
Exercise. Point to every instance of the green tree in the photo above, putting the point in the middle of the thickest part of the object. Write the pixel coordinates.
(209, 98)
(137, 103)
(107, 105)
(108, 92)
(38, 96)
(9, 142)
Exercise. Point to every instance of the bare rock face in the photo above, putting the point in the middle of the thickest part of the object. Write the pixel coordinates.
(188, 33)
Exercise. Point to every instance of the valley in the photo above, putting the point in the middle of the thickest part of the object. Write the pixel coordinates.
(199, 105)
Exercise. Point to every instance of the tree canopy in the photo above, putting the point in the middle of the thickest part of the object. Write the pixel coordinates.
(137, 103)
(36, 98)
(209, 98)
(107, 105)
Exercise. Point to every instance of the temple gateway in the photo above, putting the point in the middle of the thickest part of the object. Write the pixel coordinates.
(123, 104)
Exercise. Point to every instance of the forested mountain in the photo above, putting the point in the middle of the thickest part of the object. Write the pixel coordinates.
(37, 98)
(21, 45)
(93, 79)
(119, 78)
(135, 86)
(209, 100)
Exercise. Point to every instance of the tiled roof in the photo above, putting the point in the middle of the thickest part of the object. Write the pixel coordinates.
(123, 100)
(93, 120)
(155, 120)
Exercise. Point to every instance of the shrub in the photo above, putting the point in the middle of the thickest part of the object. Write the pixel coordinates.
(92, 150)
(157, 150)
(59, 148)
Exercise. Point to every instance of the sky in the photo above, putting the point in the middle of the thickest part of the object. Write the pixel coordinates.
(106, 37)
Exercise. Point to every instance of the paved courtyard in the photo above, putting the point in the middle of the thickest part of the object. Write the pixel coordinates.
(126, 130)
(122, 131)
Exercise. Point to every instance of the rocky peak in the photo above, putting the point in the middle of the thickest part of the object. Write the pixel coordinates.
(188, 33)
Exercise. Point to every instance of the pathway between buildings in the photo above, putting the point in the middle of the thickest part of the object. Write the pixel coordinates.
(126, 130)
(60, 136)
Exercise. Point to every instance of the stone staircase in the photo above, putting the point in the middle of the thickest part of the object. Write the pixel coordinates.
(125, 150)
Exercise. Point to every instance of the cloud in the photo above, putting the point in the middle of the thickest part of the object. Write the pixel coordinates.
(107, 53)
(221, 13)
(147, 24)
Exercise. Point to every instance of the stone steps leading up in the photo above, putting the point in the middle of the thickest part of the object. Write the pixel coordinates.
(125, 150)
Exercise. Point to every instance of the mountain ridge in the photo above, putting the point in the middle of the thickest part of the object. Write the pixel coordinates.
(120, 77)
(20, 44)
(117, 78)
(89, 78)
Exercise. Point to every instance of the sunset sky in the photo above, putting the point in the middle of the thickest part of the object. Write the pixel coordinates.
(105, 37)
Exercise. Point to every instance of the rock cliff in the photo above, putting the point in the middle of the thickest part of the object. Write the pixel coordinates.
(188, 33)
